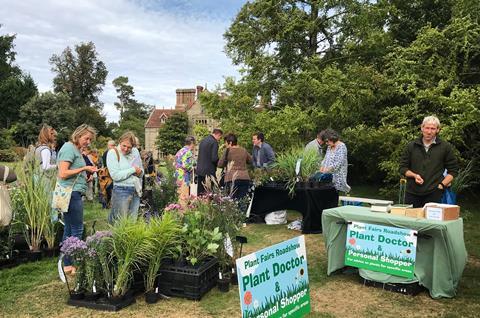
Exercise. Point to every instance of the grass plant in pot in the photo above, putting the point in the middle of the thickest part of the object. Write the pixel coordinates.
(34, 194)
(50, 233)
(309, 166)
(286, 166)
(164, 235)
(130, 249)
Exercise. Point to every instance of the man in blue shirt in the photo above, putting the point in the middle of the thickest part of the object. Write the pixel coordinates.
(262, 153)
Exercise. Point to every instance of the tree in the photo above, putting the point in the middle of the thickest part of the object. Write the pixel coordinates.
(171, 136)
(16, 88)
(133, 114)
(79, 74)
(46, 108)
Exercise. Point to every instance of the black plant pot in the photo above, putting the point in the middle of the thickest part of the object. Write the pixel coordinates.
(77, 295)
(49, 252)
(115, 300)
(92, 296)
(234, 278)
(300, 185)
(223, 284)
(34, 256)
(151, 297)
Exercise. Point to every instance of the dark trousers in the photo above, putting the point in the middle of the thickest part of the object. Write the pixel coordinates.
(200, 181)
(239, 189)
(419, 201)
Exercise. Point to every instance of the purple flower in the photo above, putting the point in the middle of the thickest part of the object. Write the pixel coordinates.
(73, 247)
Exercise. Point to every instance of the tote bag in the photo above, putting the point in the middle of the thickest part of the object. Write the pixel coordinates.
(193, 185)
(62, 195)
(5, 205)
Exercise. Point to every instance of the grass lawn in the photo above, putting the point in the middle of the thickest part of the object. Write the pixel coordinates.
(33, 290)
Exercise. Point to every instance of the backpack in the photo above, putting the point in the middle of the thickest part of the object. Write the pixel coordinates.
(5, 204)
(104, 177)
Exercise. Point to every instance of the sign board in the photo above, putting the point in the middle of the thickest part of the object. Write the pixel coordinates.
(273, 282)
(380, 248)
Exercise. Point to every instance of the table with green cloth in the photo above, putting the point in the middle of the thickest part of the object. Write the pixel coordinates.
(441, 254)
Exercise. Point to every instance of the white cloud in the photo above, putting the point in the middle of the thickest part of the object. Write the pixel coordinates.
(159, 49)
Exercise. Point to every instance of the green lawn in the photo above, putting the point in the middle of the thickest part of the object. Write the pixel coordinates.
(33, 290)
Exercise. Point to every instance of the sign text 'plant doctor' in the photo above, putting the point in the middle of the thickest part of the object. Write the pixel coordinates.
(273, 282)
(385, 249)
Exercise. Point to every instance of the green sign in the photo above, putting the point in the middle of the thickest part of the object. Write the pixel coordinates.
(273, 282)
(380, 248)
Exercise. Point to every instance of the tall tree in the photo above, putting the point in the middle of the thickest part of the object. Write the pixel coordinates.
(16, 88)
(80, 74)
(171, 136)
(133, 114)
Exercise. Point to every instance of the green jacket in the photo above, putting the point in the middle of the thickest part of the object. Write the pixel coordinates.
(429, 165)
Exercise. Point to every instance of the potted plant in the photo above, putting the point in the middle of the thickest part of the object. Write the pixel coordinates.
(286, 165)
(130, 249)
(76, 250)
(309, 165)
(93, 267)
(34, 193)
(163, 235)
(107, 267)
(49, 234)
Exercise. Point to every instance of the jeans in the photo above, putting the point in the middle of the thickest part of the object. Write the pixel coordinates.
(73, 220)
(125, 201)
(239, 192)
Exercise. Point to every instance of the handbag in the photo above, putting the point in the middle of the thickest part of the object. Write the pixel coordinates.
(62, 195)
(193, 185)
(5, 205)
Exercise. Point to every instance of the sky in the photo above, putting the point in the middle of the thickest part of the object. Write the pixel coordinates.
(160, 45)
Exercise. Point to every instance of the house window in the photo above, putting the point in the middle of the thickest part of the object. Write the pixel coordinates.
(163, 119)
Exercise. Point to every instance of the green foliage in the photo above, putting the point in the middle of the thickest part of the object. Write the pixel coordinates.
(164, 234)
(45, 108)
(198, 241)
(200, 131)
(130, 245)
(34, 196)
(165, 192)
(80, 74)
(171, 136)
(6, 139)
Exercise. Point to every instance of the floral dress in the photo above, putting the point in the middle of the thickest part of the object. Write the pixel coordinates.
(336, 161)
(184, 162)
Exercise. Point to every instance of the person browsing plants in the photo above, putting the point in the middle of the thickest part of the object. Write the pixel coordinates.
(423, 163)
(336, 160)
(126, 169)
(72, 173)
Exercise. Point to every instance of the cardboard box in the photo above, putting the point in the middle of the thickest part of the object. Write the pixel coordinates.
(418, 213)
(399, 209)
(441, 212)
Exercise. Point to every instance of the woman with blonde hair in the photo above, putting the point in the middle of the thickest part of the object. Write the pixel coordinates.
(44, 151)
(72, 172)
(126, 169)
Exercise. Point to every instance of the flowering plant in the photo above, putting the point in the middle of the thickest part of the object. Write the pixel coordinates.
(174, 207)
(93, 266)
(74, 248)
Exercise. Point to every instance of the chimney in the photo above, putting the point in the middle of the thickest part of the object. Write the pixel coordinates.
(199, 91)
(185, 97)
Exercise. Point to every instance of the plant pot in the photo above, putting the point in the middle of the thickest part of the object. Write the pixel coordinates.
(223, 284)
(114, 300)
(92, 296)
(77, 295)
(151, 297)
(34, 256)
(300, 185)
(49, 252)
(234, 278)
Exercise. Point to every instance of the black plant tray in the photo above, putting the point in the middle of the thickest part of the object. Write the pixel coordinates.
(411, 289)
(186, 281)
(7, 263)
(102, 303)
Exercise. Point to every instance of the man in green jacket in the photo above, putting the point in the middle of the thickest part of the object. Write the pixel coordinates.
(423, 164)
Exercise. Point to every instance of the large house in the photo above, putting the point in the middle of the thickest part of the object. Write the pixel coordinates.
(187, 101)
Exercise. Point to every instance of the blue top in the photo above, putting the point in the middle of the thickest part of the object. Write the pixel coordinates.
(70, 153)
(263, 156)
(336, 162)
(122, 168)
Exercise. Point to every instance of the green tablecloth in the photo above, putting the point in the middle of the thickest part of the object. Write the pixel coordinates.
(441, 253)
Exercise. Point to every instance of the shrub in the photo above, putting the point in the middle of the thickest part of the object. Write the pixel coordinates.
(8, 155)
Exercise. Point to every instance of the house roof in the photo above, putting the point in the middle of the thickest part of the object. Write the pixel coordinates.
(154, 120)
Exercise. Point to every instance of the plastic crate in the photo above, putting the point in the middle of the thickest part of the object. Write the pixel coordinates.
(405, 289)
(191, 282)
